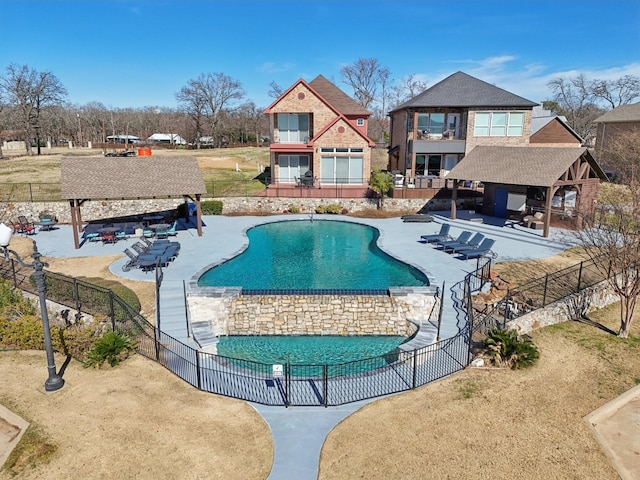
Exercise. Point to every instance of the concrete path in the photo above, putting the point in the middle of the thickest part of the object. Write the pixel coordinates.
(299, 432)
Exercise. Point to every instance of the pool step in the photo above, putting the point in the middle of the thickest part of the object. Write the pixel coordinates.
(426, 335)
(204, 337)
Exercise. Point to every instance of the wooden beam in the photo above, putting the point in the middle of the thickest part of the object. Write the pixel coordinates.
(74, 222)
(454, 197)
(547, 211)
(198, 215)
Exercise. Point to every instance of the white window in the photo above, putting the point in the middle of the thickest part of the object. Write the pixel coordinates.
(292, 167)
(498, 124)
(293, 127)
(360, 122)
(431, 123)
(341, 166)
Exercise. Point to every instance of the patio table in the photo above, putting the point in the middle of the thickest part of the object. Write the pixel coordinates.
(46, 226)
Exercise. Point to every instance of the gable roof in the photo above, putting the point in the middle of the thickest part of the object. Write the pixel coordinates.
(462, 90)
(540, 118)
(531, 166)
(337, 98)
(623, 113)
(129, 177)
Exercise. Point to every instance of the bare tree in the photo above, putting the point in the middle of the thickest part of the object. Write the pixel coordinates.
(275, 90)
(407, 88)
(210, 95)
(365, 76)
(29, 92)
(621, 91)
(575, 98)
(611, 236)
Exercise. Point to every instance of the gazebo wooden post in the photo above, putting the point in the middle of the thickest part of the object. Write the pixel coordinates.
(73, 204)
(547, 211)
(198, 214)
(454, 197)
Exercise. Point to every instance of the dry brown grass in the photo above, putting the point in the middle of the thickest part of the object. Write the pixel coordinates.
(499, 424)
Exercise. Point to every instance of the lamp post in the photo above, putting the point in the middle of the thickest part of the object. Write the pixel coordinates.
(54, 381)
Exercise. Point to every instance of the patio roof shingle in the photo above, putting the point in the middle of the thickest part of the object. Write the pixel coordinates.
(130, 177)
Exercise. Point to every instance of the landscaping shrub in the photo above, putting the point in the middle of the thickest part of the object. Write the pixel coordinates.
(293, 209)
(506, 348)
(112, 347)
(332, 208)
(211, 207)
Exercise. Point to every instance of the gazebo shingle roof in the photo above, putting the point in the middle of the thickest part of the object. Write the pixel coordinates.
(532, 166)
(461, 90)
(130, 177)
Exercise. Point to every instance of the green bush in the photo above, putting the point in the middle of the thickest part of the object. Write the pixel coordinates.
(112, 347)
(211, 207)
(334, 208)
(293, 209)
(506, 348)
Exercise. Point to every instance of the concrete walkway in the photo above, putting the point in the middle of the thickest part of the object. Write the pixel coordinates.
(299, 432)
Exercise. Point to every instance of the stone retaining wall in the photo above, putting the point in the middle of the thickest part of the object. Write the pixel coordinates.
(100, 209)
(590, 299)
(310, 314)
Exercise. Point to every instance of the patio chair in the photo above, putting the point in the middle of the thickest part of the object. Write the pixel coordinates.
(25, 226)
(534, 219)
(172, 231)
(483, 250)
(441, 236)
(471, 244)
(463, 238)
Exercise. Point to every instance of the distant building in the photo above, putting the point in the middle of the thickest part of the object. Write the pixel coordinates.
(123, 139)
(168, 138)
(613, 125)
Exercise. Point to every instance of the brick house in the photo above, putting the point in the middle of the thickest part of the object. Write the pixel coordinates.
(431, 132)
(613, 125)
(465, 132)
(318, 142)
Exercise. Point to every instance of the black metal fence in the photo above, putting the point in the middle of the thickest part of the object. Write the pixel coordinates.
(319, 385)
(30, 192)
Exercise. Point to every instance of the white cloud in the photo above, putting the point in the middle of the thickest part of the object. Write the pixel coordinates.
(274, 67)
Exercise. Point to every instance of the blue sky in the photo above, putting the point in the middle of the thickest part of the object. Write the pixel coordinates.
(135, 53)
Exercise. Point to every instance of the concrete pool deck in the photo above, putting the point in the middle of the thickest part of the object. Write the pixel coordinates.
(299, 432)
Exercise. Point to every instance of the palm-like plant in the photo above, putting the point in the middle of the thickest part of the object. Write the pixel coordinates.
(507, 348)
(381, 183)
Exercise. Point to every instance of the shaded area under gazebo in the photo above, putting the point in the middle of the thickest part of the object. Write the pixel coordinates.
(127, 178)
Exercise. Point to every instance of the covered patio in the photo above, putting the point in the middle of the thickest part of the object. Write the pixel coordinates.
(531, 180)
(125, 178)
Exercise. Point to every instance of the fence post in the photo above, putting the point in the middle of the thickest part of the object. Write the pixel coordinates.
(544, 292)
(579, 276)
(186, 307)
(112, 311)
(287, 379)
(440, 313)
(415, 362)
(76, 294)
(198, 375)
(30, 193)
(325, 381)
(506, 308)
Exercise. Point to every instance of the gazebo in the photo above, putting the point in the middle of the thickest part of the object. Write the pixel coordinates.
(123, 178)
(563, 179)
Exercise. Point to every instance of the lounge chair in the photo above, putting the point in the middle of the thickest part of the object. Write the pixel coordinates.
(172, 231)
(463, 238)
(441, 236)
(534, 220)
(483, 250)
(25, 226)
(471, 244)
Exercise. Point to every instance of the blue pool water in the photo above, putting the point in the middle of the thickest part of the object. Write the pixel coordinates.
(322, 254)
(312, 351)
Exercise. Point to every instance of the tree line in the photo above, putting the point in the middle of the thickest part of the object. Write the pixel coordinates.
(213, 109)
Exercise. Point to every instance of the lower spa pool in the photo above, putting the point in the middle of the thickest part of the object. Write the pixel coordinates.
(307, 353)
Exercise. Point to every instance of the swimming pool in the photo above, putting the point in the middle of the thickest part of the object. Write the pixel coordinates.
(313, 255)
(306, 354)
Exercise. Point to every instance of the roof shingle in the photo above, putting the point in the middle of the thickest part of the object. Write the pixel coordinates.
(464, 91)
(130, 177)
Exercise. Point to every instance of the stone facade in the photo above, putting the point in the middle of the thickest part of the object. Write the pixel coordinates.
(98, 210)
(310, 314)
(563, 310)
